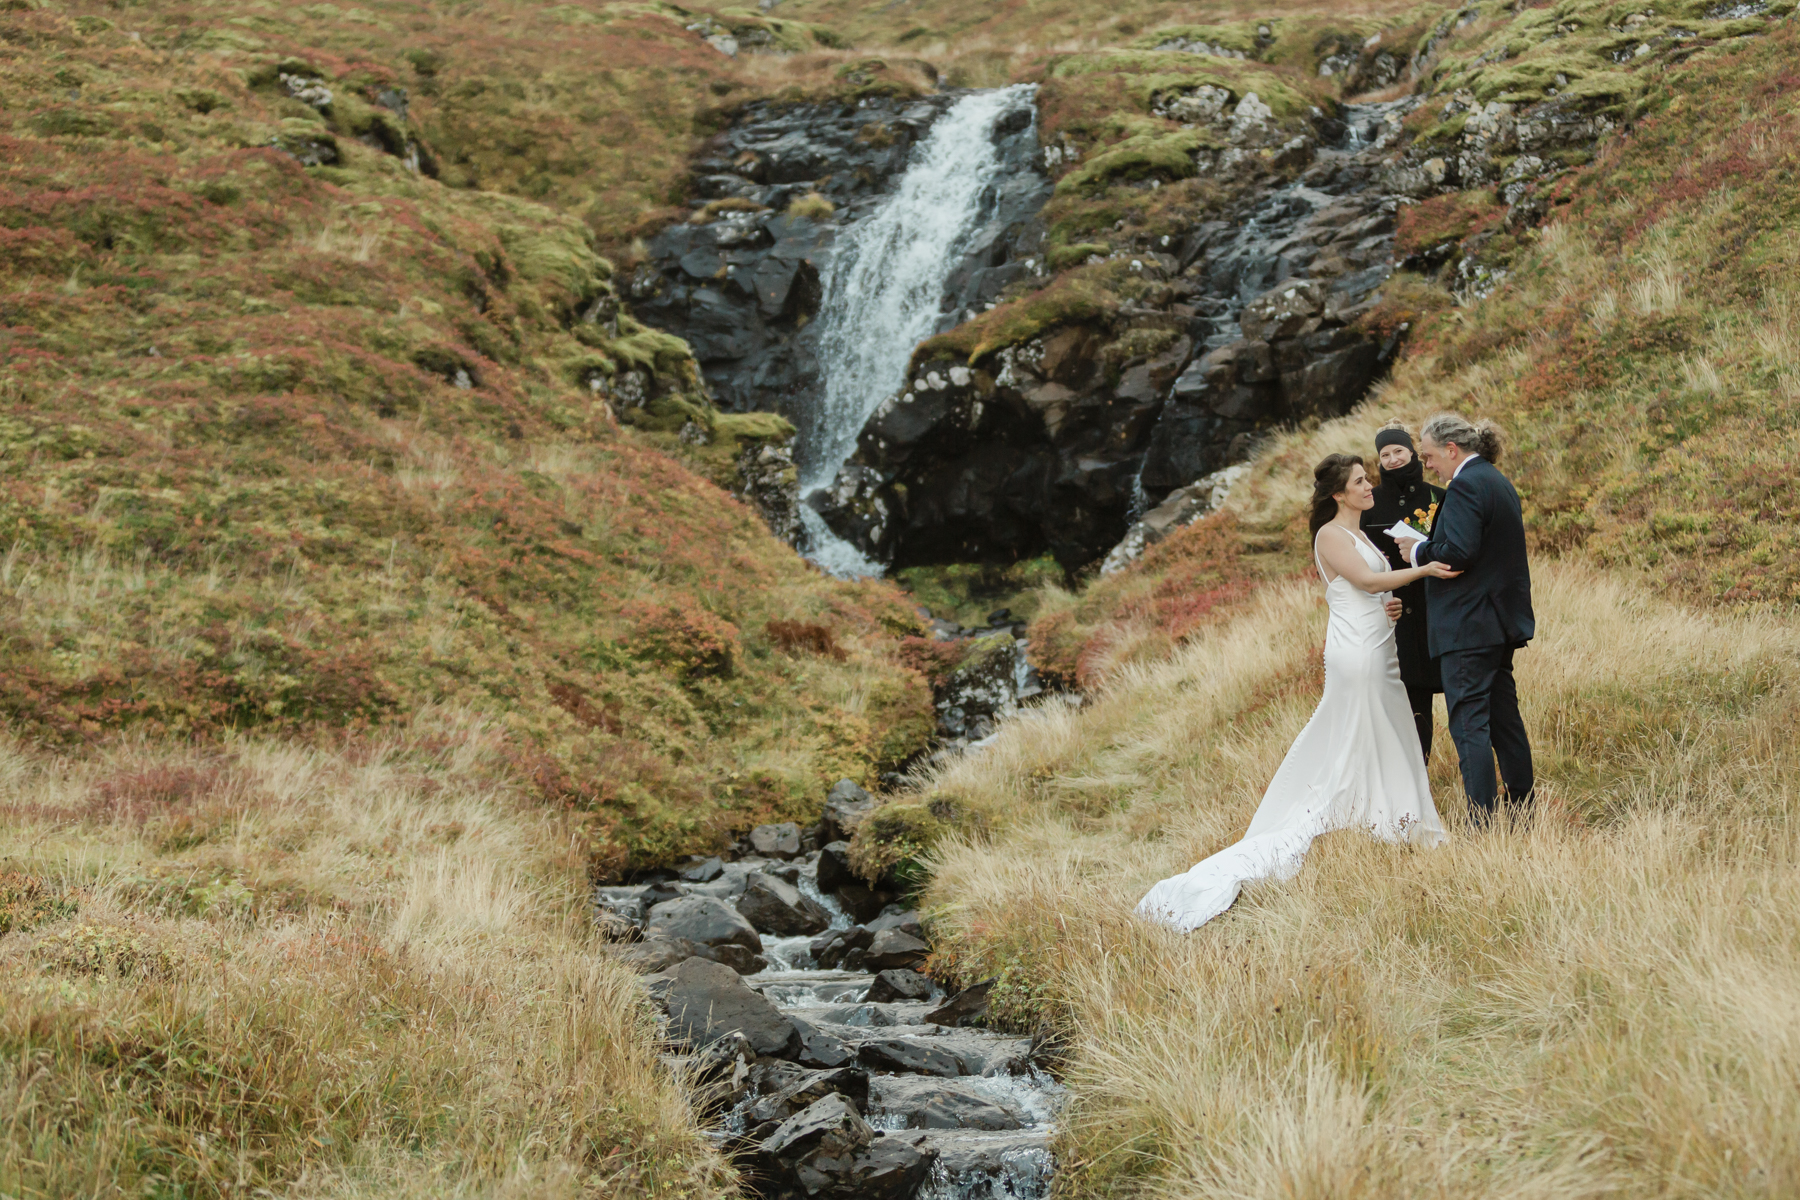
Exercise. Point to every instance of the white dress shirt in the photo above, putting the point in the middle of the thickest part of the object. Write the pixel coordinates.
(1412, 555)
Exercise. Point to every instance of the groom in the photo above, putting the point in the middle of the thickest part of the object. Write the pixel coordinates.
(1479, 618)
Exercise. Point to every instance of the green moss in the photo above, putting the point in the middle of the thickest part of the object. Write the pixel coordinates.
(1083, 294)
(1161, 155)
(891, 843)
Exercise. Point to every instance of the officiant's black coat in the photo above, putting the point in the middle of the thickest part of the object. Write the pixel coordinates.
(1480, 531)
(1399, 502)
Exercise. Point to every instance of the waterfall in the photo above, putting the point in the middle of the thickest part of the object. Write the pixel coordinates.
(884, 293)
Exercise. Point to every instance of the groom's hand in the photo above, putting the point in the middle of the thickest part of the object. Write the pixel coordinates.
(1394, 609)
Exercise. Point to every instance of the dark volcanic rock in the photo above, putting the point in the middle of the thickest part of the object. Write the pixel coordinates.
(810, 1087)
(910, 1054)
(829, 951)
(778, 907)
(965, 1008)
(744, 288)
(894, 948)
(706, 1001)
(834, 868)
(703, 919)
(776, 841)
(819, 1048)
(941, 1104)
(898, 985)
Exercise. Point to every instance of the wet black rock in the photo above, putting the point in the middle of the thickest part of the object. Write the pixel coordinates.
(894, 948)
(703, 919)
(862, 902)
(937, 1103)
(967, 1007)
(819, 1048)
(834, 870)
(917, 1055)
(906, 921)
(899, 985)
(829, 950)
(776, 841)
(806, 1088)
(743, 287)
(828, 1150)
(658, 954)
(706, 1001)
(704, 871)
(778, 907)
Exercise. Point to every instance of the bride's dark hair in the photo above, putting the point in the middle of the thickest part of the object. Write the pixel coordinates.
(1330, 477)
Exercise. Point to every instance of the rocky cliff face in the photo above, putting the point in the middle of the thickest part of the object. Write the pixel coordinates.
(742, 280)
(1057, 442)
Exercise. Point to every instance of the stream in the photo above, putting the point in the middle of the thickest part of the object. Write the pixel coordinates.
(829, 1066)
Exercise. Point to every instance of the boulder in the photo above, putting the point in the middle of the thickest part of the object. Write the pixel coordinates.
(775, 906)
(744, 962)
(627, 902)
(906, 922)
(707, 1001)
(703, 919)
(657, 954)
(704, 871)
(898, 985)
(862, 902)
(967, 1007)
(829, 1150)
(942, 1104)
(816, 1140)
(845, 807)
(776, 841)
(894, 948)
(810, 1087)
(834, 870)
(829, 951)
(819, 1048)
(917, 1055)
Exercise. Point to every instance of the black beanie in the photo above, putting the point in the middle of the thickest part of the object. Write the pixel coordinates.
(1393, 437)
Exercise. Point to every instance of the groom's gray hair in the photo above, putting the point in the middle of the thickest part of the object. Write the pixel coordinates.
(1475, 437)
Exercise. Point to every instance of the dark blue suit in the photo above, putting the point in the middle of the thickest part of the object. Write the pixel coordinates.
(1477, 620)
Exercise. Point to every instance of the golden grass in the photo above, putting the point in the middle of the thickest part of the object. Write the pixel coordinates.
(1603, 1000)
(361, 972)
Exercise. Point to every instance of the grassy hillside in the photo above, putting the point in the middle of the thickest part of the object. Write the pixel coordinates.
(1595, 1002)
(369, 586)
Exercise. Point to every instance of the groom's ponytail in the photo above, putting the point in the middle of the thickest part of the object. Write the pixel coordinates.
(1330, 477)
(1474, 437)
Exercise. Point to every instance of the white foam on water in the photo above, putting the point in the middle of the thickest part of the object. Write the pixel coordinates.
(884, 294)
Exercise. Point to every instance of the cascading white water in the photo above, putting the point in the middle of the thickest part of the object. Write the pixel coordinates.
(884, 292)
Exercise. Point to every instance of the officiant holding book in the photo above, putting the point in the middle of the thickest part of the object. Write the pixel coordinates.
(1403, 495)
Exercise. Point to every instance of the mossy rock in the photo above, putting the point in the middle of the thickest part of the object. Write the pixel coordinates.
(735, 431)
(890, 845)
(1166, 156)
(1083, 294)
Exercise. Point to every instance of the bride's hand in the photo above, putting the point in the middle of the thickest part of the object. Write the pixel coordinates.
(1437, 570)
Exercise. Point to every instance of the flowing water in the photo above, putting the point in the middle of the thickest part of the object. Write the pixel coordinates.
(1005, 1154)
(884, 294)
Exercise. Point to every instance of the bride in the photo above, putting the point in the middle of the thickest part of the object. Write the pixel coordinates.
(1357, 764)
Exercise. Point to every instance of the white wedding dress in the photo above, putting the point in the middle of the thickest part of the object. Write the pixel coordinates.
(1356, 765)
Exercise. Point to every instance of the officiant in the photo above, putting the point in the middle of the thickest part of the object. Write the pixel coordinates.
(1403, 495)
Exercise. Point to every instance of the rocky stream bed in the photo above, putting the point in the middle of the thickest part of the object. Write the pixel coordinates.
(795, 1009)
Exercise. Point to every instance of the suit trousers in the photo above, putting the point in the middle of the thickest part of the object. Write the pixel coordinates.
(1485, 725)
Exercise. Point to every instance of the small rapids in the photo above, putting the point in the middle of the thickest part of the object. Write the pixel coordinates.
(987, 1127)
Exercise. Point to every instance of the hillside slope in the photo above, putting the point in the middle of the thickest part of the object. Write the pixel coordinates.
(1595, 1002)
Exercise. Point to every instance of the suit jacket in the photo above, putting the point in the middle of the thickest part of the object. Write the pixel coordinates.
(1479, 531)
(1395, 502)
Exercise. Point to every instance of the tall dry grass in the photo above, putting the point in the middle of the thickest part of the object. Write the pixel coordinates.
(270, 968)
(1601, 1000)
